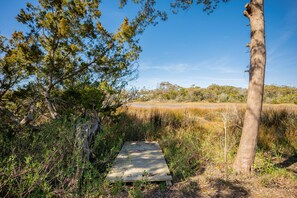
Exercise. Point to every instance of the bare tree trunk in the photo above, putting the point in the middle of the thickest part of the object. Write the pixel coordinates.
(50, 105)
(248, 142)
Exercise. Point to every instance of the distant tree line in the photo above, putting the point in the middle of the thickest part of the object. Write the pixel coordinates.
(215, 93)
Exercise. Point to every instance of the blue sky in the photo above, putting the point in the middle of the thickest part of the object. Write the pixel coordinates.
(195, 48)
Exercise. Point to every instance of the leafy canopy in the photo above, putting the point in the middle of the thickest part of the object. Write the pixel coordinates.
(70, 41)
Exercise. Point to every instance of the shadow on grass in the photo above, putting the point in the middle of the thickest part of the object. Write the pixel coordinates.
(187, 189)
(216, 188)
(225, 188)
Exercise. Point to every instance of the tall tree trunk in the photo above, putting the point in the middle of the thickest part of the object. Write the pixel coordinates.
(247, 148)
(50, 105)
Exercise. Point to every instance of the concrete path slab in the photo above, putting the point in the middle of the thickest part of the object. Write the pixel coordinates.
(140, 161)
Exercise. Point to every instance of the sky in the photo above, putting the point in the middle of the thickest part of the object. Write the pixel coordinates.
(193, 48)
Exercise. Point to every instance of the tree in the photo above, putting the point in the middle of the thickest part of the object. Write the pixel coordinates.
(13, 64)
(248, 142)
(72, 47)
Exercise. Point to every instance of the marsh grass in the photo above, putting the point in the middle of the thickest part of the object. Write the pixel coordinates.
(193, 141)
(193, 138)
(278, 131)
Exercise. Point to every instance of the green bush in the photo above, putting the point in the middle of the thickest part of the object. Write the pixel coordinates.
(48, 162)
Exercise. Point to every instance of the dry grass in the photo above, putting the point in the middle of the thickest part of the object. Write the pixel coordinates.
(206, 105)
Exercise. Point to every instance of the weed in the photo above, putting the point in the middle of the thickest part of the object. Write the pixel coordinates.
(117, 188)
(136, 190)
(162, 186)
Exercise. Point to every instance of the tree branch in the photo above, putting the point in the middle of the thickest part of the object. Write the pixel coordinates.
(71, 74)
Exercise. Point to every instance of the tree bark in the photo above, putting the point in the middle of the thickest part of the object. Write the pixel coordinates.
(247, 148)
(50, 105)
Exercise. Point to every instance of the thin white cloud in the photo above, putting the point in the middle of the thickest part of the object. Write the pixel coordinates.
(179, 67)
(276, 52)
(278, 58)
(238, 82)
(220, 65)
(153, 82)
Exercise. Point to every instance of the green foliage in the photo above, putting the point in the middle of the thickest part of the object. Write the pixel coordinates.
(47, 162)
(183, 153)
(117, 188)
(277, 95)
(67, 50)
(104, 99)
(270, 173)
(65, 65)
(76, 47)
(14, 63)
(215, 93)
(135, 191)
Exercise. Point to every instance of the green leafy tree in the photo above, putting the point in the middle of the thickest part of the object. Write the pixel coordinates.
(168, 91)
(14, 63)
(72, 46)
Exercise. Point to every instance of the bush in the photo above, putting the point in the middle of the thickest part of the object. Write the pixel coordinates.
(48, 162)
